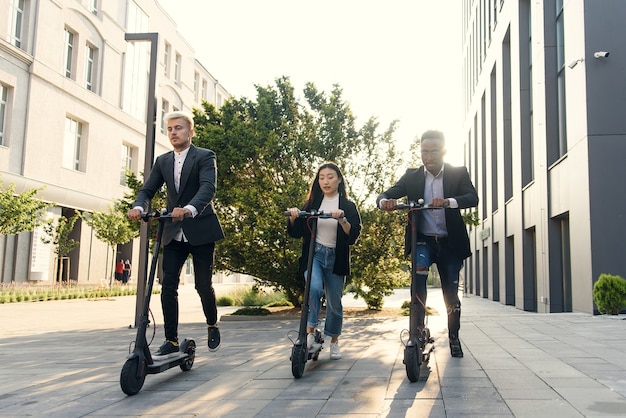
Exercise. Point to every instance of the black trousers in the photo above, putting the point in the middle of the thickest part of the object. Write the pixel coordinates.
(449, 265)
(174, 256)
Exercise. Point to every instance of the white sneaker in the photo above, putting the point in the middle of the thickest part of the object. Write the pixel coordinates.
(335, 354)
(312, 346)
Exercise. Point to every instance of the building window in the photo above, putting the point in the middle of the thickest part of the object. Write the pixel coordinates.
(73, 146)
(165, 106)
(93, 7)
(4, 104)
(90, 60)
(166, 59)
(204, 89)
(127, 163)
(196, 85)
(68, 53)
(177, 69)
(16, 13)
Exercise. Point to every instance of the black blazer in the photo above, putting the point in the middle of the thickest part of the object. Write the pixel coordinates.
(197, 188)
(456, 184)
(299, 229)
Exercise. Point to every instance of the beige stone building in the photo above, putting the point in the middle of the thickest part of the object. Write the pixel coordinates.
(73, 103)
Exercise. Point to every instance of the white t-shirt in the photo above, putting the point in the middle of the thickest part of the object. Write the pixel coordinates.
(327, 228)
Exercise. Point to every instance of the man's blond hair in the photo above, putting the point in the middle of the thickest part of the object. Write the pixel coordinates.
(180, 115)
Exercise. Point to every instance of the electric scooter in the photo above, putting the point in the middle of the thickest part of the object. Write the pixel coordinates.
(140, 362)
(300, 353)
(420, 344)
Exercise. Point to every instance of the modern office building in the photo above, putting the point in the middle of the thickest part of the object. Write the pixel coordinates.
(545, 127)
(73, 111)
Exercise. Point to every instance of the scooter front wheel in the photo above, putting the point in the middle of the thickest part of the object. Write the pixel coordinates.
(412, 356)
(132, 376)
(298, 360)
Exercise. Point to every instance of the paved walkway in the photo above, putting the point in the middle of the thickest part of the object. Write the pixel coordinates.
(63, 359)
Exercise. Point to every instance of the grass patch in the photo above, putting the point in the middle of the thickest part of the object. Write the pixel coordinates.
(16, 293)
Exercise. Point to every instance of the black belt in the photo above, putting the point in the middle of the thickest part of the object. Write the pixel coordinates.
(437, 238)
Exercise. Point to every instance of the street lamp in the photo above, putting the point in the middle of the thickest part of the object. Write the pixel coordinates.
(144, 231)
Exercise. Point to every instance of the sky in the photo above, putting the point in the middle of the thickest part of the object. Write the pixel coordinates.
(394, 59)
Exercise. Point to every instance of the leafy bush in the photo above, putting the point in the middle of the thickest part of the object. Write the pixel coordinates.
(226, 300)
(257, 311)
(609, 294)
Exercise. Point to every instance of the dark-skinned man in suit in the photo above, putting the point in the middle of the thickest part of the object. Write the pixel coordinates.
(441, 234)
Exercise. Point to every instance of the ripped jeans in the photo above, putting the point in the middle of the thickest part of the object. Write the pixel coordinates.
(449, 265)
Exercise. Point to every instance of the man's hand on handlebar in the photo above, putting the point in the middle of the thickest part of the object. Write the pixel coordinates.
(134, 214)
(388, 205)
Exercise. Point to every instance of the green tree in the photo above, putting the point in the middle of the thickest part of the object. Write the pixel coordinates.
(113, 228)
(268, 151)
(20, 212)
(58, 235)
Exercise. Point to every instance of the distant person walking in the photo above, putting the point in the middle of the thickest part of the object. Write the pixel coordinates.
(126, 272)
(119, 270)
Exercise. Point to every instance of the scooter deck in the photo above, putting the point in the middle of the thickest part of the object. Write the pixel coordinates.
(162, 363)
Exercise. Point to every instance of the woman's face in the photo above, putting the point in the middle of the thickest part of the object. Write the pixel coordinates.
(329, 181)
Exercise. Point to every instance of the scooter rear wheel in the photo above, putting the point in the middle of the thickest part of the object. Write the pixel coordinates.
(298, 360)
(412, 357)
(132, 376)
(190, 349)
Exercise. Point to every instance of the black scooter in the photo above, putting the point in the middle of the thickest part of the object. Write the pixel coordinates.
(140, 362)
(420, 344)
(300, 353)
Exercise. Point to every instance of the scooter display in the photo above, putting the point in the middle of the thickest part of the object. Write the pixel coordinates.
(141, 362)
(300, 353)
(420, 344)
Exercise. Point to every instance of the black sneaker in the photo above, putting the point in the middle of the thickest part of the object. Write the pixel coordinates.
(455, 348)
(214, 338)
(168, 347)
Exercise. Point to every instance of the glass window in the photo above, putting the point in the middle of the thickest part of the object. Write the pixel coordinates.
(4, 99)
(72, 146)
(178, 63)
(16, 10)
(165, 106)
(127, 163)
(90, 57)
(68, 53)
(196, 85)
(93, 7)
(166, 59)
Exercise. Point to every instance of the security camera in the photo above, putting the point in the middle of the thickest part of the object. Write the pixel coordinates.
(601, 54)
(574, 63)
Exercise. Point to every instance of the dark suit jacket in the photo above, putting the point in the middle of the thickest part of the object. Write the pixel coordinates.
(197, 188)
(299, 229)
(456, 184)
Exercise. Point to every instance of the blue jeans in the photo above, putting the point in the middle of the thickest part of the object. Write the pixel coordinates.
(323, 280)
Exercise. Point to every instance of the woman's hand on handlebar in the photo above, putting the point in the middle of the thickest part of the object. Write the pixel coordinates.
(293, 214)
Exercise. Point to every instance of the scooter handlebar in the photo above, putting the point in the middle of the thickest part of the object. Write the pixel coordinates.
(146, 217)
(419, 205)
(310, 213)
